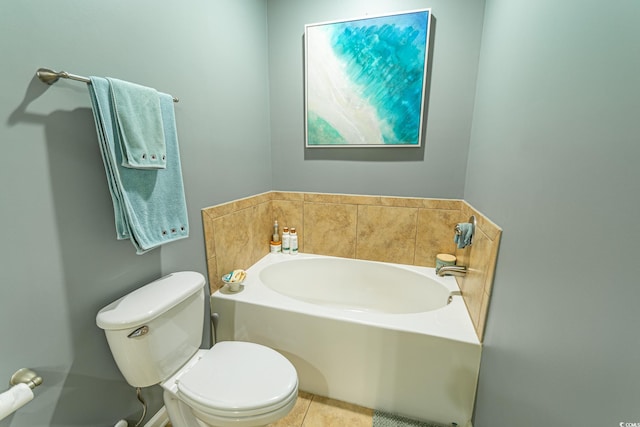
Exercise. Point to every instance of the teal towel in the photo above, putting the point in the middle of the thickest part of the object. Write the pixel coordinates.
(464, 234)
(139, 124)
(149, 205)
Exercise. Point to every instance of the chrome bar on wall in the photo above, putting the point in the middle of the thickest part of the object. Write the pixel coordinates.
(49, 77)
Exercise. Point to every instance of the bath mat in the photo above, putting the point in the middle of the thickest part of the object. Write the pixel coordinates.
(385, 419)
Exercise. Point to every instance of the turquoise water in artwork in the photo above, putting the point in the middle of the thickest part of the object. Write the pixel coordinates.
(384, 58)
(322, 132)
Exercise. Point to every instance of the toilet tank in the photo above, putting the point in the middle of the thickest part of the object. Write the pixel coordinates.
(155, 329)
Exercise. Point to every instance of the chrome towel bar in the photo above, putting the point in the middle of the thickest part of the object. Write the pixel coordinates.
(49, 77)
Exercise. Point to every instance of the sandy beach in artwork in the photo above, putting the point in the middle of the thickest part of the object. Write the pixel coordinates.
(335, 98)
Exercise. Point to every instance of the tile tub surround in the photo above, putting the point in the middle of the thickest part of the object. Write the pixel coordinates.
(400, 230)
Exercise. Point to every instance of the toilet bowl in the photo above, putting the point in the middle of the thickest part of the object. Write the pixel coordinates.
(234, 384)
(154, 335)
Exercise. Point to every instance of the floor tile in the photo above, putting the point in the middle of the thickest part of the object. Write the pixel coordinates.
(297, 414)
(325, 412)
(317, 411)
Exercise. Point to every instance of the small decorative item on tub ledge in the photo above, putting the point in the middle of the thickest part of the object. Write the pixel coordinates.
(444, 259)
(234, 279)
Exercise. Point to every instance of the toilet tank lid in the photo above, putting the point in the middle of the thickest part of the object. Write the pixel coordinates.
(148, 302)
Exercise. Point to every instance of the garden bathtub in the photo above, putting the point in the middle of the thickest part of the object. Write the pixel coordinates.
(385, 336)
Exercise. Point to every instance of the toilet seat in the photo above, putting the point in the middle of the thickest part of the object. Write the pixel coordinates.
(236, 379)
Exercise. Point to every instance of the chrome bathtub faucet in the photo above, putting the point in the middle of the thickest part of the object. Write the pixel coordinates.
(452, 270)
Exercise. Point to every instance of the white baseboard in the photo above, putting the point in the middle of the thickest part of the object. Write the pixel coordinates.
(160, 419)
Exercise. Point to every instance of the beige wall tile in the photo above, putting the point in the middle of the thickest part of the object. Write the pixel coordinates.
(322, 198)
(289, 213)
(462, 255)
(360, 200)
(386, 234)
(407, 202)
(287, 195)
(490, 261)
(442, 204)
(252, 201)
(212, 269)
(234, 241)
(485, 224)
(220, 210)
(330, 229)
(209, 210)
(482, 320)
(348, 199)
(392, 229)
(261, 231)
(207, 225)
(475, 257)
(262, 198)
(435, 235)
(241, 237)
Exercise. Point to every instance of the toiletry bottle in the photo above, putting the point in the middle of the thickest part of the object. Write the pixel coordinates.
(275, 247)
(285, 240)
(276, 244)
(293, 241)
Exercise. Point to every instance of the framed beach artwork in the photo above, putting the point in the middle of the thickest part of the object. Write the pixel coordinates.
(365, 80)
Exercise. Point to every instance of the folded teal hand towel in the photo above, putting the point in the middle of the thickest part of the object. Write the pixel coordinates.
(149, 205)
(464, 233)
(139, 124)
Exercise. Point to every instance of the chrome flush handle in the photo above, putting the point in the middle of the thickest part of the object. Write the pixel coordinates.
(142, 330)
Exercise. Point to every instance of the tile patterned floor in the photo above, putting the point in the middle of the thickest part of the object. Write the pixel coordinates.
(317, 411)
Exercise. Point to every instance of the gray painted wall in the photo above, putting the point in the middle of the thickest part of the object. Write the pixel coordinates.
(554, 160)
(59, 259)
(436, 170)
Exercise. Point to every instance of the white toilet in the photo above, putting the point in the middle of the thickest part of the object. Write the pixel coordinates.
(154, 334)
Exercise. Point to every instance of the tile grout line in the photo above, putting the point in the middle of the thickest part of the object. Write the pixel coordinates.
(306, 412)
